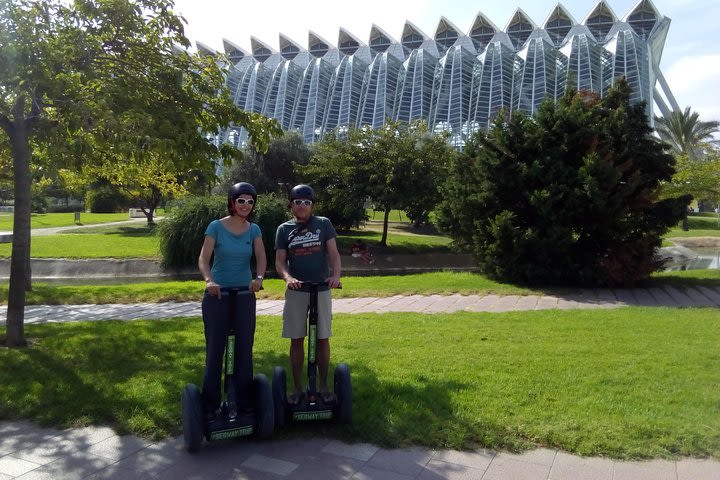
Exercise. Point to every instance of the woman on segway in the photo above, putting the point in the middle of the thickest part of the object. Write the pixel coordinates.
(233, 240)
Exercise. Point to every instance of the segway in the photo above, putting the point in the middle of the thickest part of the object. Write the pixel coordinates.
(311, 405)
(229, 423)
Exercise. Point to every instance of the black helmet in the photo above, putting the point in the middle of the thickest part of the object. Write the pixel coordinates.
(241, 188)
(302, 191)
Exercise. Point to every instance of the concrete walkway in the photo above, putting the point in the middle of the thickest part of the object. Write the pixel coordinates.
(29, 452)
(666, 296)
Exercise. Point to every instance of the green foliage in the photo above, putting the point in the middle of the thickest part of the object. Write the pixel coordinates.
(566, 197)
(685, 132)
(698, 176)
(271, 211)
(108, 83)
(398, 166)
(105, 199)
(182, 231)
(339, 177)
(272, 171)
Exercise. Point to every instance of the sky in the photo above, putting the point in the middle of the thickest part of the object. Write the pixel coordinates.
(690, 60)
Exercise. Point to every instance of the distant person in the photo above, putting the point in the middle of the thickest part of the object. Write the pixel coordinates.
(359, 249)
(306, 251)
(233, 240)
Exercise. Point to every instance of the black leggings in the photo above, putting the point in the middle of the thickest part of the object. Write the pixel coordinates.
(216, 319)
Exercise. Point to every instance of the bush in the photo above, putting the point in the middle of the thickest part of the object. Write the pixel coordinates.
(105, 199)
(39, 204)
(182, 231)
(566, 197)
(270, 212)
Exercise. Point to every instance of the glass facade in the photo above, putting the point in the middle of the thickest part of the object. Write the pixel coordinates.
(457, 82)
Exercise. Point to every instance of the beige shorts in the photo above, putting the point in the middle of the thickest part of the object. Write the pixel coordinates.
(295, 314)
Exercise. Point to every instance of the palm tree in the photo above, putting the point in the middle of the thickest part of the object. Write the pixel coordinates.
(684, 131)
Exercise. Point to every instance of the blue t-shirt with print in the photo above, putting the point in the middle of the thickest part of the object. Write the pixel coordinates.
(306, 247)
(231, 264)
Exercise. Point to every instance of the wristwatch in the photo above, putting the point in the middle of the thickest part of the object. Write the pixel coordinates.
(259, 277)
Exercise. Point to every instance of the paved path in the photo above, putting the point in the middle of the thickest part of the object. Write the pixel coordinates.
(587, 298)
(29, 452)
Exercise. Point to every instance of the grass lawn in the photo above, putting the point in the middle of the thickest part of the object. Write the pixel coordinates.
(122, 241)
(704, 225)
(432, 283)
(139, 240)
(385, 286)
(44, 220)
(624, 383)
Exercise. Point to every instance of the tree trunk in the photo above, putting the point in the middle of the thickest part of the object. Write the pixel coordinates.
(383, 240)
(20, 259)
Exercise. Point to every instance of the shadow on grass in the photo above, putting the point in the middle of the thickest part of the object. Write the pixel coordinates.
(143, 230)
(129, 376)
(87, 374)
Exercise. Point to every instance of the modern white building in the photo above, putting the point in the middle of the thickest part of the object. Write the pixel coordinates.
(455, 81)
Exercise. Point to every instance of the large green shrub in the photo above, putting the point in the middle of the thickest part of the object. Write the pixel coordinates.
(105, 199)
(270, 212)
(566, 197)
(183, 229)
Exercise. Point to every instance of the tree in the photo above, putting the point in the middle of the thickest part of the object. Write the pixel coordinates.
(433, 154)
(102, 79)
(405, 165)
(340, 180)
(699, 177)
(272, 171)
(397, 166)
(684, 131)
(148, 183)
(569, 196)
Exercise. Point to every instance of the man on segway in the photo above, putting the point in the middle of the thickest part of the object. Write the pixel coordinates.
(306, 251)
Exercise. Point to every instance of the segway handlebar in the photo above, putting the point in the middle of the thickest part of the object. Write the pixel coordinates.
(234, 289)
(319, 284)
(229, 290)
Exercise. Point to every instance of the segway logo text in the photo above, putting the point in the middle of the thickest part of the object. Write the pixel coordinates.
(311, 344)
(310, 416)
(230, 359)
(235, 432)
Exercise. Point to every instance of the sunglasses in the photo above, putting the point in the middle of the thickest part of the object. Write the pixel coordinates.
(243, 201)
(307, 203)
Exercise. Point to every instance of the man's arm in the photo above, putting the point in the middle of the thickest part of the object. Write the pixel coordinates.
(335, 264)
(281, 268)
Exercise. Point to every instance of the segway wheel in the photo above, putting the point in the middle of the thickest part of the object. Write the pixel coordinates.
(343, 394)
(279, 393)
(264, 411)
(192, 417)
